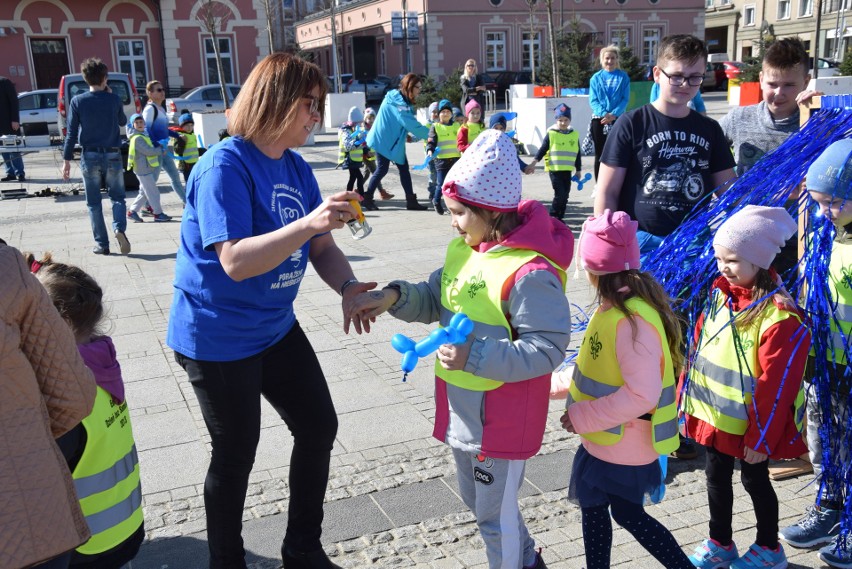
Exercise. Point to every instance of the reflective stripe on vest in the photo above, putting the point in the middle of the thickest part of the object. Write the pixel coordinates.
(472, 283)
(597, 374)
(153, 161)
(355, 155)
(190, 151)
(561, 155)
(107, 476)
(474, 129)
(840, 287)
(722, 377)
(447, 144)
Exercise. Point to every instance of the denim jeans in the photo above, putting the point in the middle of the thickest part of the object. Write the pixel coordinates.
(168, 164)
(104, 169)
(289, 376)
(433, 189)
(382, 165)
(648, 242)
(14, 162)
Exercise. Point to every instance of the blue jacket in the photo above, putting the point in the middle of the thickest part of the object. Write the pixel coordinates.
(609, 92)
(393, 122)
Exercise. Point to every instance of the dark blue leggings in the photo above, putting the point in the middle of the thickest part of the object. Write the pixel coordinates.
(382, 165)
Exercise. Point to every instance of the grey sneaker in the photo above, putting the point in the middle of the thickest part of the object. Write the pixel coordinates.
(123, 242)
(842, 557)
(818, 526)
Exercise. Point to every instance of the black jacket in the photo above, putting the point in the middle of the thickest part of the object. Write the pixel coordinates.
(8, 106)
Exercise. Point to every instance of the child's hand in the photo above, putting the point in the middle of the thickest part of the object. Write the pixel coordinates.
(529, 169)
(370, 304)
(754, 457)
(453, 357)
(565, 419)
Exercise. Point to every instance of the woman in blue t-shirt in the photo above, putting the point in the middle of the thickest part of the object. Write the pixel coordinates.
(609, 93)
(254, 217)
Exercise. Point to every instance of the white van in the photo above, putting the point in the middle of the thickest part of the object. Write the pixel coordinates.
(120, 83)
(718, 57)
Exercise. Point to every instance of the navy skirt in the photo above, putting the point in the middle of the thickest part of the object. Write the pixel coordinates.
(593, 479)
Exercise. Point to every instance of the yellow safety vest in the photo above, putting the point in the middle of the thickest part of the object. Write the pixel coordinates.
(447, 135)
(474, 129)
(107, 476)
(153, 161)
(722, 377)
(561, 155)
(840, 286)
(597, 374)
(190, 151)
(355, 155)
(471, 283)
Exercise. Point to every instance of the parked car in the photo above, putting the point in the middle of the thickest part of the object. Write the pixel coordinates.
(345, 78)
(710, 81)
(826, 67)
(506, 78)
(38, 112)
(732, 69)
(488, 80)
(720, 75)
(119, 83)
(200, 99)
(373, 89)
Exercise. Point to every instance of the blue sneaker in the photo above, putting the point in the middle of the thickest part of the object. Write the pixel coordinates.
(162, 217)
(711, 555)
(842, 558)
(758, 557)
(134, 217)
(818, 527)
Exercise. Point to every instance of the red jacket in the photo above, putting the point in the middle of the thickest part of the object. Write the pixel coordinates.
(782, 439)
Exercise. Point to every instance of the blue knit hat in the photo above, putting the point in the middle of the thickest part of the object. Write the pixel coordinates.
(445, 104)
(831, 173)
(501, 118)
(433, 108)
(185, 118)
(133, 118)
(562, 110)
(457, 112)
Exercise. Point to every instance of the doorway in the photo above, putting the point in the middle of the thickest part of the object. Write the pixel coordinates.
(50, 61)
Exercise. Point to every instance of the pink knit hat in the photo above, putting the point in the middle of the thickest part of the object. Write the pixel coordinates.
(608, 243)
(756, 233)
(471, 105)
(487, 174)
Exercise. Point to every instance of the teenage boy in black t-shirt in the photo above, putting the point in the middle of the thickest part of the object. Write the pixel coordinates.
(661, 159)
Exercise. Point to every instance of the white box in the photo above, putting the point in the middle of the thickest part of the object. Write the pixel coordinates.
(535, 115)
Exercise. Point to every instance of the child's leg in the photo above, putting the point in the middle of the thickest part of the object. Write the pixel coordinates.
(187, 169)
(651, 534)
(489, 487)
(138, 203)
(720, 495)
(352, 177)
(561, 182)
(433, 182)
(756, 482)
(359, 179)
(597, 536)
(148, 184)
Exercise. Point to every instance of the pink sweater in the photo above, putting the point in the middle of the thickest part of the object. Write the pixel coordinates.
(641, 362)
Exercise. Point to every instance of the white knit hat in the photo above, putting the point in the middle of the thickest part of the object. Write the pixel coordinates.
(756, 233)
(487, 174)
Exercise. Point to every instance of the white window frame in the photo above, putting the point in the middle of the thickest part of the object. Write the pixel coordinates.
(620, 36)
(526, 42)
(495, 50)
(380, 44)
(806, 8)
(133, 60)
(227, 59)
(785, 9)
(650, 44)
(708, 3)
(749, 9)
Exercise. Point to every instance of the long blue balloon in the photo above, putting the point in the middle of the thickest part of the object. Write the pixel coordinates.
(456, 332)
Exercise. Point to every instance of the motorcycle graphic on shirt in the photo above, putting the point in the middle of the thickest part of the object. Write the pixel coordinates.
(678, 177)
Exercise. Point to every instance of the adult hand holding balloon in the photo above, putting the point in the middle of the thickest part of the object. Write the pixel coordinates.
(456, 332)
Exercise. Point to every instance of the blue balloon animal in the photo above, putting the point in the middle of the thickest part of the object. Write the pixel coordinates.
(581, 183)
(456, 332)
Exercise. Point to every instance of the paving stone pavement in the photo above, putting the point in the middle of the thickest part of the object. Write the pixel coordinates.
(392, 499)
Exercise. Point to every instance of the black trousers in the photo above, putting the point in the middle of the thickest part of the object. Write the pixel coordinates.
(561, 182)
(288, 375)
(355, 176)
(720, 493)
(599, 139)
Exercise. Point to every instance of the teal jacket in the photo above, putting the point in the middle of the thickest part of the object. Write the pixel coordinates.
(393, 122)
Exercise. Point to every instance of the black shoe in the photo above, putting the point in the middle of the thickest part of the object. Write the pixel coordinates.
(369, 205)
(9, 178)
(439, 208)
(22, 178)
(539, 562)
(123, 242)
(311, 560)
(412, 205)
(98, 250)
(686, 450)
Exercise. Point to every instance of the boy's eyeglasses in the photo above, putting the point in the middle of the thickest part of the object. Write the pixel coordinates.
(678, 80)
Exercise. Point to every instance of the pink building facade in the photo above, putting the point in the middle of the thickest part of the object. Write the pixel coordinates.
(502, 35)
(168, 40)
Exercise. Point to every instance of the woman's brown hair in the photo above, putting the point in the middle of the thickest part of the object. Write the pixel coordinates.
(406, 86)
(149, 86)
(269, 100)
(644, 286)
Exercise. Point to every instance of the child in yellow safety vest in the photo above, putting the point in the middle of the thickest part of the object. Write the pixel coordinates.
(100, 451)
(472, 126)
(369, 155)
(187, 147)
(742, 395)
(351, 140)
(560, 150)
(506, 272)
(144, 160)
(621, 399)
(441, 147)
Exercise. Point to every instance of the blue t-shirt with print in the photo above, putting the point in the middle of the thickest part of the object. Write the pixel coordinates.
(234, 192)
